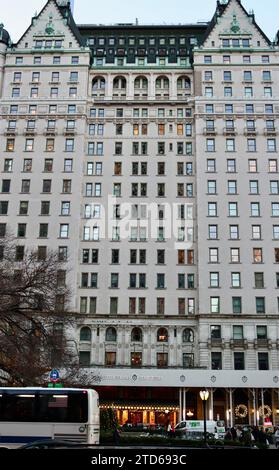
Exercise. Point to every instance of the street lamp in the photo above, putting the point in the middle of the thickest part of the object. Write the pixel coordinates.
(204, 394)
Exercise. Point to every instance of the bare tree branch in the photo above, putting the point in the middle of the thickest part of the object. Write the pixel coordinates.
(33, 317)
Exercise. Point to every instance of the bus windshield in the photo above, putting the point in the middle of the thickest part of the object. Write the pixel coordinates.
(43, 406)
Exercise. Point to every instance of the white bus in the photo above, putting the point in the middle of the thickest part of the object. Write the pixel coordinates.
(33, 413)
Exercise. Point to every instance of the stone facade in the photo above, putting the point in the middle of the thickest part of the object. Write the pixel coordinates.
(99, 122)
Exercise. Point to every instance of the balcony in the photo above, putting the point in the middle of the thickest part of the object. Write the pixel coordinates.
(239, 343)
(69, 131)
(184, 95)
(262, 343)
(270, 131)
(216, 343)
(250, 131)
(50, 131)
(209, 131)
(10, 131)
(229, 131)
(30, 131)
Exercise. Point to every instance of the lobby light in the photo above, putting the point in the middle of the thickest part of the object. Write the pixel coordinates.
(204, 394)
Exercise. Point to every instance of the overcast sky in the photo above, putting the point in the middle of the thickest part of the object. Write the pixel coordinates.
(16, 14)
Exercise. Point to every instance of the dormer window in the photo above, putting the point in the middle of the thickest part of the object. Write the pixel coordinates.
(246, 42)
(235, 43)
(226, 43)
(193, 41)
(38, 44)
(58, 44)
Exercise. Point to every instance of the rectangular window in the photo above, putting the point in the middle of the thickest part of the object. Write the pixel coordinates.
(258, 255)
(210, 145)
(234, 232)
(228, 92)
(254, 187)
(231, 166)
(271, 145)
(23, 207)
(216, 360)
(214, 304)
(64, 231)
(46, 186)
(275, 209)
(214, 280)
(29, 145)
(110, 359)
(238, 332)
(232, 187)
(239, 361)
(263, 361)
(227, 76)
(25, 186)
(236, 305)
(69, 145)
(247, 76)
(43, 230)
(255, 209)
(256, 232)
(19, 255)
(260, 304)
(162, 360)
(235, 280)
(251, 145)
(160, 306)
(266, 76)
(252, 166)
(68, 165)
(235, 255)
(259, 280)
(213, 255)
(213, 232)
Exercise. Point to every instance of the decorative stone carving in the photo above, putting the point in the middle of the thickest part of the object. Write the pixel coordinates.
(49, 30)
(235, 27)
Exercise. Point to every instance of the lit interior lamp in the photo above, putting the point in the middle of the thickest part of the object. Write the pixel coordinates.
(277, 411)
(190, 414)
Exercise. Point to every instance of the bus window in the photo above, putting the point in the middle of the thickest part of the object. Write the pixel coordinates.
(63, 408)
(18, 407)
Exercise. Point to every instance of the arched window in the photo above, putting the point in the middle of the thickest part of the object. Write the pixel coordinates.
(98, 83)
(162, 82)
(119, 83)
(188, 336)
(162, 335)
(85, 334)
(183, 83)
(111, 334)
(141, 82)
(136, 335)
